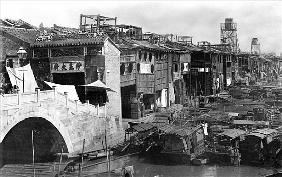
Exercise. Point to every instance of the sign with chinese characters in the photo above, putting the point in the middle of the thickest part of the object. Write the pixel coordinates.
(67, 67)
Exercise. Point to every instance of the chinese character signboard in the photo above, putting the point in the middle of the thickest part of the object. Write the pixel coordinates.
(67, 67)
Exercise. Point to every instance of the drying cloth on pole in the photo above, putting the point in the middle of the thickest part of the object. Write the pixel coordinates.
(70, 89)
(23, 78)
(98, 84)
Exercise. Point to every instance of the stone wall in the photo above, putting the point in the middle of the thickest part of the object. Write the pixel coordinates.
(112, 71)
(75, 123)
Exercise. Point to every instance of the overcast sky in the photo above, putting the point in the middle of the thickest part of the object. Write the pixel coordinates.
(261, 19)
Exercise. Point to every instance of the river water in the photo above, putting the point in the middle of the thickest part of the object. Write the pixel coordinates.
(144, 168)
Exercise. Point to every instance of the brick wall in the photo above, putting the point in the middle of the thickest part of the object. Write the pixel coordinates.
(112, 72)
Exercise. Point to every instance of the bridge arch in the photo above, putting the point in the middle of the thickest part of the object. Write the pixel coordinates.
(42, 113)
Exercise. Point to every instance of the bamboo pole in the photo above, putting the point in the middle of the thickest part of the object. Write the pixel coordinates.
(80, 168)
(32, 153)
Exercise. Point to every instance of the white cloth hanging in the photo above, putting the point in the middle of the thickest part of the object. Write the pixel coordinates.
(23, 78)
(70, 89)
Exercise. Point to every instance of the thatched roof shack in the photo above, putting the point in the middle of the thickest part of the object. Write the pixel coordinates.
(257, 144)
(183, 139)
(229, 137)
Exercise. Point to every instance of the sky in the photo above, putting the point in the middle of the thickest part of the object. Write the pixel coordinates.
(199, 19)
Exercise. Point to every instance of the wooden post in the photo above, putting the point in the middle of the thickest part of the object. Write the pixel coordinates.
(54, 90)
(107, 151)
(37, 94)
(32, 144)
(82, 153)
(87, 103)
(66, 97)
(76, 105)
(61, 158)
(18, 93)
(98, 107)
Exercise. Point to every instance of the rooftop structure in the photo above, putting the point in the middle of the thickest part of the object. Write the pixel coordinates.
(228, 34)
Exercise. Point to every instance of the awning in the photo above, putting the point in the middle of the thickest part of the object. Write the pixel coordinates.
(98, 84)
(70, 89)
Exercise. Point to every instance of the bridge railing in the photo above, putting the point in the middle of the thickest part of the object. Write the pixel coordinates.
(8, 100)
(80, 107)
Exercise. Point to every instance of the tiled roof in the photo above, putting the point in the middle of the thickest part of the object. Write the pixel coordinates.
(137, 44)
(26, 35)
(66, 42)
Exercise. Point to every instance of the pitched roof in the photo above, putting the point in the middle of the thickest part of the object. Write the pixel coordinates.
(138, 44)
(26, 35)
(69, 41)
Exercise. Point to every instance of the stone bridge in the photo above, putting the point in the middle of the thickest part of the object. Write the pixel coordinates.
(72, 120)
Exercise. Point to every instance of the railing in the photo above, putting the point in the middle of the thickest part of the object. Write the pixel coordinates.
(12, 100)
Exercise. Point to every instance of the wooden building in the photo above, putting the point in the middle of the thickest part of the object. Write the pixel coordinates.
(144, 75)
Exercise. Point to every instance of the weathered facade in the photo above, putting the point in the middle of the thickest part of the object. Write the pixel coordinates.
(80, 61)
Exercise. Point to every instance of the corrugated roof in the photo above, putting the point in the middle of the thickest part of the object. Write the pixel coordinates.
(233, 133)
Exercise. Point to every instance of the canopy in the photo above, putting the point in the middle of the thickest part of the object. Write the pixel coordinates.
(98, 84)
(70, 89)
(22, 77)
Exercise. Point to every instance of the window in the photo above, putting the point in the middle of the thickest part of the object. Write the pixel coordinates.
(156, 56)
(145, 56)
(130, 68)
(138, 67)
(152, 68)
(175, 66)
(140, 55)
(150, 57)
(122, 69)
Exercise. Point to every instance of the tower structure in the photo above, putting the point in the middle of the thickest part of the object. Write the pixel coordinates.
(255, 46)
(228, 34)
